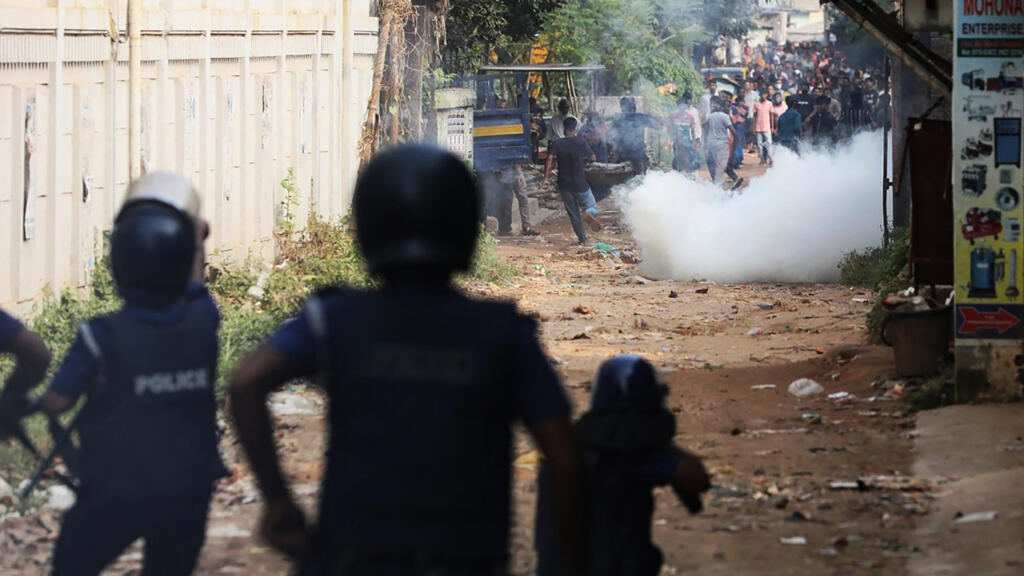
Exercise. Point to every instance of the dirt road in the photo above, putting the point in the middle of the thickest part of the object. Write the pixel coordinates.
(729, 352)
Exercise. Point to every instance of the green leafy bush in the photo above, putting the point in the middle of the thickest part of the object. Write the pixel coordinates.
(884, 270)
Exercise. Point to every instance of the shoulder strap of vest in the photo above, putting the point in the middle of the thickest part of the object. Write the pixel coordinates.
(316, 317)
(89, 339)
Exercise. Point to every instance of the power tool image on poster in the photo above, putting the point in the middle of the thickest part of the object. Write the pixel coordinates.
(980, 223)
(987, 268)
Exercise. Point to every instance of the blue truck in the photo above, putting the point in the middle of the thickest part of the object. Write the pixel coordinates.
(501, 120)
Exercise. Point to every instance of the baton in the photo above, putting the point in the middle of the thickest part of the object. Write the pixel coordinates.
(61, 443)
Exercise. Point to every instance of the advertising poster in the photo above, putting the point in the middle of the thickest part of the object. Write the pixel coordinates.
(988, 97)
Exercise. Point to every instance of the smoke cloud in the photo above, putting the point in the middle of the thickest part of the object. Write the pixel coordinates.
(793, 224)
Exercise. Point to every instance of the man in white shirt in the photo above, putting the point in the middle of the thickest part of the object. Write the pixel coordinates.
(556, 130)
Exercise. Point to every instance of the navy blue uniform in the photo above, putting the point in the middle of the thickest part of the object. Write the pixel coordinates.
(624, 464)
(149, 455)
(9, 330)
(424, 385)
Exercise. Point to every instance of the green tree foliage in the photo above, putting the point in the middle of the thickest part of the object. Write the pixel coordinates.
(639, 41)
(733, 18)
(476, 27)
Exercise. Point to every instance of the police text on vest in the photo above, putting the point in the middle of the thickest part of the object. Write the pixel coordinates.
(171, 382)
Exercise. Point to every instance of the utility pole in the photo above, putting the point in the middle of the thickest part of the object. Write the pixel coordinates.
(134, 89)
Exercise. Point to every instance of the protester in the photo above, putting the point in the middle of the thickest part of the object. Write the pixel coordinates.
(719, 135)
(501, 186)
(627, 436)
(630, 136)
(538, 128)
(787, 129)
(149, 441)
(556, 123)
(572, 153)
(424, 385)
(597, 133)
(686, 135)
(740, 115)
(705, 101)
(751, 96)
(822, 123)
(803, 102)
(779, 106)
(764, 124)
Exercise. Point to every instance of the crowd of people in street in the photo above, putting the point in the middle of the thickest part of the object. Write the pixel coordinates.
(789, 95)
(786, 95)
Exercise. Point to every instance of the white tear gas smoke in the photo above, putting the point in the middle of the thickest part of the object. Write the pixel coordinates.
(793, 224)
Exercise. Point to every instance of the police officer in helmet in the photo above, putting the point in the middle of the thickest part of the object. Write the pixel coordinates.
(423, 383)
(148, 430)
(627, 441)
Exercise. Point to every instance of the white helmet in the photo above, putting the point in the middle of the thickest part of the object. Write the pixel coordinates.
(169, 188)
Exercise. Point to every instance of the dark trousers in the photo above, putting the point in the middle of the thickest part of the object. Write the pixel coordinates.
(683, 156)
(638, 158)
(572, 207)
(96, 530)
(499, 188)
(506, 191)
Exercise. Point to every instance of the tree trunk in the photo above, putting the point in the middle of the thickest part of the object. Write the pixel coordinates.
(371, 127)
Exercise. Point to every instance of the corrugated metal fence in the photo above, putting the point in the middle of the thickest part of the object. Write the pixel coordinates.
(234, 94)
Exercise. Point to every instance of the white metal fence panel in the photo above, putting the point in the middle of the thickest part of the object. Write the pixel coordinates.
(231, 98)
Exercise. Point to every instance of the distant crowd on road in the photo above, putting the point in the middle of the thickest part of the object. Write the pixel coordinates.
(789, 95)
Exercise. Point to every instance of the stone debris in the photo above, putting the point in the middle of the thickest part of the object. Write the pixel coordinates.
(59, 498)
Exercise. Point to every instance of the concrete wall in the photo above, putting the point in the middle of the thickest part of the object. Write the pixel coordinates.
(234, 93)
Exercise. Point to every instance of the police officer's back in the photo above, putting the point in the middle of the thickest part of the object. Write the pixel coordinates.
(148, 430)
(424, 384)
(627, 441)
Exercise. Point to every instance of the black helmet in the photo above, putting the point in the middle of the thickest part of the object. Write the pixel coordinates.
(627, 408)
(416, 206)
(630, 383)
(153, 243)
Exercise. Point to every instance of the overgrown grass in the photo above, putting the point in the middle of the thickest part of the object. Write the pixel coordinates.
(884, 270)
(936, 392)
(487, 265)
(322, 255)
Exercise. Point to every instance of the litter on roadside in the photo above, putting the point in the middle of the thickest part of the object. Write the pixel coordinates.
(771, 432)
(805, 387)
(976, 517)
(794, 541)
(843, 398)
(763, 387)
(901, 483)
(844, 486)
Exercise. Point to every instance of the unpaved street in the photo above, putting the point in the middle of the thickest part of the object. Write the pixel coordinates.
(728, 352)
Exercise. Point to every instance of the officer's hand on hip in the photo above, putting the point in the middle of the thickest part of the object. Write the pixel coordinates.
(284, 528)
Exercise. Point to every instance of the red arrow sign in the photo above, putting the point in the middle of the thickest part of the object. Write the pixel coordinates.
(976, 320)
